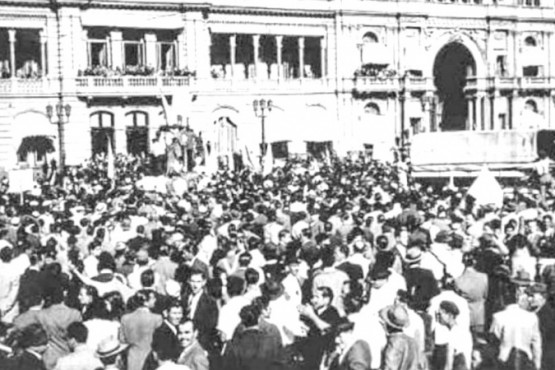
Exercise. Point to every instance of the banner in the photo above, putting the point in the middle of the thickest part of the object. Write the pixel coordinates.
(21, 180)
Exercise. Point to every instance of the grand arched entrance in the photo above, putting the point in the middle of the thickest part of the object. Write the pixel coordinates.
(453, 65)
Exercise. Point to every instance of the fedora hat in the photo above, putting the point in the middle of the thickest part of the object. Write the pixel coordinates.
(395, 316)
(414, 255)
(110, 347)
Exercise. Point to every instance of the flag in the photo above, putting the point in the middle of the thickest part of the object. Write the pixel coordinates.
(111, 167)
(169, 114)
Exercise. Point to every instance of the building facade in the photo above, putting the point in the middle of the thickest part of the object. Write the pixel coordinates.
(352, 74)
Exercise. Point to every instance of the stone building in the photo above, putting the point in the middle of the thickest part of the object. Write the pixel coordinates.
(350, 74)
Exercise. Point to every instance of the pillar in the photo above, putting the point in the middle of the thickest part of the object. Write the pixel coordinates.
(426, 119)
(301, 57)
(256, 49)
(494, 113)
(470, 114)
(323, 57)
(517, 71)
(279, 53)
(11, 38)
(150, 50)
(512, 121)
(181, 50)
(487, 112)
(232, 53)
(42, 36)
(116, 49)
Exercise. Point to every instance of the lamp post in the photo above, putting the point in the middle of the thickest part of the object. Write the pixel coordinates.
(59, 114)
(261, 109)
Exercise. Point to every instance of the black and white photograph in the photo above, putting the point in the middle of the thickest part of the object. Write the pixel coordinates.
(277, 185)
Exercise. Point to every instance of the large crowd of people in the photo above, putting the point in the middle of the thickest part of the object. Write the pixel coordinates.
(342, 265)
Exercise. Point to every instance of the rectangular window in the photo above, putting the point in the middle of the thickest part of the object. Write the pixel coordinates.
(531, 71)
(98, 53)
(166, 55)
(133, 53)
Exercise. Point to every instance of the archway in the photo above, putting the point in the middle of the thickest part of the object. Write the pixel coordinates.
(453, 64)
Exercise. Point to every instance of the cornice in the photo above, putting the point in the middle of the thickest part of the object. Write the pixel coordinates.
(273, 11)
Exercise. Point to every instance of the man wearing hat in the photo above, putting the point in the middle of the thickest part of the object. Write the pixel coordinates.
(110, 353)
(401, 351)
(421, 283)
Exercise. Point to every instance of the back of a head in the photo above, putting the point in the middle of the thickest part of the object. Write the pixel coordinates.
(78, 331)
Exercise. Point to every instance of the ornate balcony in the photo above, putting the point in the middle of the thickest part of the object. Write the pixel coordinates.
(129, 85)
(28, 86)
(375, 84)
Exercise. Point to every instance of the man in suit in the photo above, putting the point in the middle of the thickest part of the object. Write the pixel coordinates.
(473, 286)
(34, 342)
(351, 353)
(517, 333)
(421, 283)
(203, 310)
(546, 315)
(55, 320)
(166, 335)
(193, 355)
(137, 329)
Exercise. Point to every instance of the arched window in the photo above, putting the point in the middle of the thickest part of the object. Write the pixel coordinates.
(531, 105)
(102, 132)
(137, 132)
(372, 108)
(370, 38)
(530, 42)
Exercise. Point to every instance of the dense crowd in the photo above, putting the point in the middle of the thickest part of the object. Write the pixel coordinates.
(340, 265)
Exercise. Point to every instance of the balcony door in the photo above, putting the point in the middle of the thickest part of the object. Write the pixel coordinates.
(102, 132)
(137, 133)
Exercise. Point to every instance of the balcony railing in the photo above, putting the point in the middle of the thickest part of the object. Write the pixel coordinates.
(376, 84)
(28, 86)
(127, 85)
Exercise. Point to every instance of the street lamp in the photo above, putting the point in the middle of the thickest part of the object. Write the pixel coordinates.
(261, 109)
(59, 114)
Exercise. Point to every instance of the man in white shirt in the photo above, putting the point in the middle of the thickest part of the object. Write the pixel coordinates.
(82, 357)
(229, 313)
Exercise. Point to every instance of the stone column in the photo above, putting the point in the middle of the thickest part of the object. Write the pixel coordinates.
(470, 114)
(11, 38)
(116, 49)
(487, 112)
(43, 38)
(232, 53)
(517, 70)
(494, 114)
(323, 57)
(279, 53)
(512, 120)
(256, 47)
(301, 57)
(181, 51)
(151, 50)
(426, 107)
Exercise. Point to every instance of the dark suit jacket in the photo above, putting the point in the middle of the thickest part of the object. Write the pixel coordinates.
(421, 285)
(26, 361)
(205, 319)
(357, 358)
(253, 350)
(166, 336)
(546, 317)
